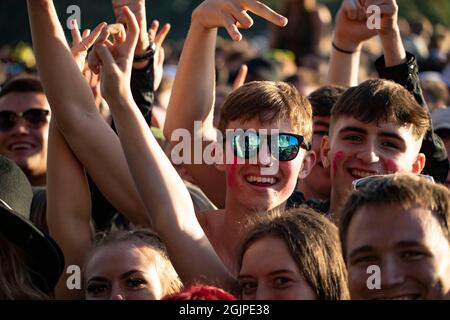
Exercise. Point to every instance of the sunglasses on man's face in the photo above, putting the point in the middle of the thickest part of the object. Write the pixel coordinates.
(361, 183)
(247, 145)
(35, 118)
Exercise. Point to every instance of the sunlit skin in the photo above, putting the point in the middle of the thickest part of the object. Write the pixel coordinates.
(317, 184)
(356, 149)
(269, 272)
(259, 196)
(32, 159)
(123, 271)
(408, 245)
(244, 198)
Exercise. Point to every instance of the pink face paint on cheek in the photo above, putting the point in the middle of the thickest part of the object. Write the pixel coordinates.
(232, 173)
(339, 156)
(391, 166)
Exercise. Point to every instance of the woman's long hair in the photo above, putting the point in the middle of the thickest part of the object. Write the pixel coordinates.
(16, 280)
(313, 242)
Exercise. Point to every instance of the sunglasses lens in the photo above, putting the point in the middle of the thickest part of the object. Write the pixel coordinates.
(288, 147)
(246, 145)
(7, 120)
(36, 117)
(363, 182)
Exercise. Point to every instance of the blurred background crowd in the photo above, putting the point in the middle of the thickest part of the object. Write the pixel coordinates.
(297, 54)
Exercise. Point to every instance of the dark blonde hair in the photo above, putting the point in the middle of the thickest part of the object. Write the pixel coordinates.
(268, 101)
(375, 101)
(16, 278)
(314, 245)
(405, 190)
(170, 281)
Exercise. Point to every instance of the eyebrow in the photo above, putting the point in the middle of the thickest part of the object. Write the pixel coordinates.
(273, 273)
(385, 134)
(359, 250)
(129, 273)
(123, 276)
(100, 279)
(392, 135)
(352, 129)
(408, 243)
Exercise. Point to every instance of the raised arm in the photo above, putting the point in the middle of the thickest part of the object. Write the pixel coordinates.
(165, 195)
(73, 106)
(68, 207)
(399, 66)
(193, 92)
(147, 66)
(349, 34)
(389, 32)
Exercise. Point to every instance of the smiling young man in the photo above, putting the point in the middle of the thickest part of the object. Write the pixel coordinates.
(399, 223)
(376, 128)
(24, 118)
(239, 189)
(255, 108)
(371, 131)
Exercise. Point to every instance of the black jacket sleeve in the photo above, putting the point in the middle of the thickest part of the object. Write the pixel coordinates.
(142, 89)
(407, 75)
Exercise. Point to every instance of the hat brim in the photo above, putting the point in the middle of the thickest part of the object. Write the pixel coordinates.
(441, 126)
(46, 259)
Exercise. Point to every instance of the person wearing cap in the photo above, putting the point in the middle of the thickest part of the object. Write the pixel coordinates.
(441, 124)
(31, 262)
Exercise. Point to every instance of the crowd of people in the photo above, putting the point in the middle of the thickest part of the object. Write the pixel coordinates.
(330, 142)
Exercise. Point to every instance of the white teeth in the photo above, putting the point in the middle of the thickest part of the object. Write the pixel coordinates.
(265, 180)
(17, 146)
(361, 174)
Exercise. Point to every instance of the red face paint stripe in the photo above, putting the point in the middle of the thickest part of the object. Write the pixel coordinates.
(339, 156)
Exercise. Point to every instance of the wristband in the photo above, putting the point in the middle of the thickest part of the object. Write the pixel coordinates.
(342, 50)
(147, 54)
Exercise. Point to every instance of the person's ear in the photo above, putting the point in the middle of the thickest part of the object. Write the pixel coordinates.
(324, 151)
(419, 163)
(309, 160)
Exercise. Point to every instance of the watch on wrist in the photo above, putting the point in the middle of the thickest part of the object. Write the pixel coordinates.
(147, 54)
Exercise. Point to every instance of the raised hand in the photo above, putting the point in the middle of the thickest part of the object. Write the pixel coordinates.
(158, 38)
(389, 14)
(82, 42)
(115, 59)
(232, 15)
(389, 31)
(138, 9)
(351, 26)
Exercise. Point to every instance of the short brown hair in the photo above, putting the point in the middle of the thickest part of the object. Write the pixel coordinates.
(382, 101)
(314, 245)
(406, 190)
(268, 101)
(28, 83)
(323, 99)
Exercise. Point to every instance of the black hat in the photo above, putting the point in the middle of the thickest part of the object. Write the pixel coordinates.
(45, 258)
